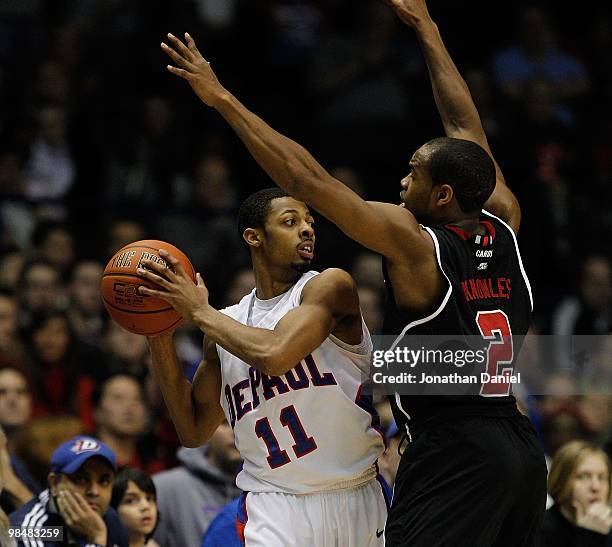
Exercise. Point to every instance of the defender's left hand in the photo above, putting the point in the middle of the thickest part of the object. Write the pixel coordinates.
(176, 287)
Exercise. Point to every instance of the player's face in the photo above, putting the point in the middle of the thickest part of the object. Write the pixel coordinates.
(93, 480)
(289, 236)
(137, 510)
(592, 481)
(416, 194)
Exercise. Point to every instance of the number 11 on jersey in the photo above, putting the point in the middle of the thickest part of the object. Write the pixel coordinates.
(303, 443)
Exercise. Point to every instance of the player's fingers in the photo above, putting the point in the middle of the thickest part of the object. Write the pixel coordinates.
(161, 269)
(158, 279)
(199, 280)
(180, 47)
(179, 72)
(145, 291)
(192, 46)
(176, 57)
(173, 261)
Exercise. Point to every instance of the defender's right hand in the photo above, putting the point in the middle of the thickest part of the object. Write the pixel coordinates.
(194, 68)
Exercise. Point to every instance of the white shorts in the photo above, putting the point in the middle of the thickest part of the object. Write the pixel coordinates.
(353, 517)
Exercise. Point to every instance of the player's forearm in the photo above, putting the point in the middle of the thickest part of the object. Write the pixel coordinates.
(451, 93)
(257, 347)
(288, 163)
(176, 391)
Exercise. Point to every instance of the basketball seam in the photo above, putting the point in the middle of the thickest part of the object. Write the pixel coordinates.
(166, 328)
(134, 311)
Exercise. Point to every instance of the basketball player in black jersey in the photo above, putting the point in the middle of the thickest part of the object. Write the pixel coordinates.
(473, 474)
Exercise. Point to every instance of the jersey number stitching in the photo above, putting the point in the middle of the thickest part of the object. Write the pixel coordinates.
(495, 327)
(303, 443)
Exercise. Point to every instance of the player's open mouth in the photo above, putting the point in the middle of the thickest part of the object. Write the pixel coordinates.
(306, 250)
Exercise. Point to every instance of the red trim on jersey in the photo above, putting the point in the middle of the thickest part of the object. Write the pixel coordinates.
(485, 240)
(489, 226)
(461, 233)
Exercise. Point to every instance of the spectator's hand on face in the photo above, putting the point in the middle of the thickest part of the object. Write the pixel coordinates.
(81, 517)
(596, 517)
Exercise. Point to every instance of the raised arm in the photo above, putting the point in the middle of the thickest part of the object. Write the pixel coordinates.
(194, 408)
(455, 105)
(294, 169)
(327, 300)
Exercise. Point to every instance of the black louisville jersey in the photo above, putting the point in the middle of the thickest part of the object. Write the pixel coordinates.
(488, 295)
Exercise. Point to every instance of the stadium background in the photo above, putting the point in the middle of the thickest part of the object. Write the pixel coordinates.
(99, 146)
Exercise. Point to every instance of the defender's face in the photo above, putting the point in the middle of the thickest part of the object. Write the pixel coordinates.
(289, 237)
(417, 187)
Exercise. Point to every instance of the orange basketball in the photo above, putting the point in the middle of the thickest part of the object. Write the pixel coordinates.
(135, 312)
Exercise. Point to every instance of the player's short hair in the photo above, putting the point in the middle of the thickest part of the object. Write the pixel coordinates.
(254, 209)
(564, 465)
(466, 167)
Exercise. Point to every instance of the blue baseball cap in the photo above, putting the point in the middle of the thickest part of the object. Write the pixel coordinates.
(70, 456)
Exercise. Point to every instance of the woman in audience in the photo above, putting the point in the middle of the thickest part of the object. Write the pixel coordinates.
(579, 483)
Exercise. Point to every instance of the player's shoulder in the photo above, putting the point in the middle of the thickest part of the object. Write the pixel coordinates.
(332, 285)
(331, 279)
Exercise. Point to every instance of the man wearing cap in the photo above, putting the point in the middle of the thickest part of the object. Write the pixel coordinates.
(77, 499)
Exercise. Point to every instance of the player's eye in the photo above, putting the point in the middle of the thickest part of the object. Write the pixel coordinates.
(290, 221)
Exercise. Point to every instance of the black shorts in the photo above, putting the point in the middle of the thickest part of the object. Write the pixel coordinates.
(470, 482)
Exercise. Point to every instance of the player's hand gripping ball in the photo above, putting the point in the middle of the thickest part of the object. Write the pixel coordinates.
(140, 314)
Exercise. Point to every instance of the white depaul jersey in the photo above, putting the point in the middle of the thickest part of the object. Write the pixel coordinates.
(310, 429)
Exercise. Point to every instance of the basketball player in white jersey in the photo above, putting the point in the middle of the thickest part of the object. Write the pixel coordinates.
(285, 366)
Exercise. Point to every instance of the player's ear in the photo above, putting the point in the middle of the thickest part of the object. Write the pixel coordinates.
(252, 237)
(444, 194)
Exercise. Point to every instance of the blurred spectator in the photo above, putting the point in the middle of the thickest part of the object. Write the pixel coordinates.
(135, 500)
(370, 302)
(10, 342)
(85, 309)
(122, 231)
(367, 271)
(57, 361)
(50, 169)
(222, 530)
(15, 491)
(16, 215)
(536, 55)
(39, 288)
(121, 417)
(240, 285)
(15, 399)
(191, 495)
(78, 497)
(579, 483)
(35, 443)
(11, 264)
(53, 241)
(590, 311)
(127, 351)
(208, 212)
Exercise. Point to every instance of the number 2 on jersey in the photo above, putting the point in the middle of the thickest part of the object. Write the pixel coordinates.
(303, 443)
(495, 328)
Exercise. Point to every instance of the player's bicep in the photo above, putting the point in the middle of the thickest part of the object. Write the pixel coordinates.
(206, 393)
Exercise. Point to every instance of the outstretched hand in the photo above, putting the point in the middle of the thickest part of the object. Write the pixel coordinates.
(410, 12)
(176, 287)
(191, 66)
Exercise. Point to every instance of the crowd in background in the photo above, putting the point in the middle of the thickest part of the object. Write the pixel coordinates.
(100, 146)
